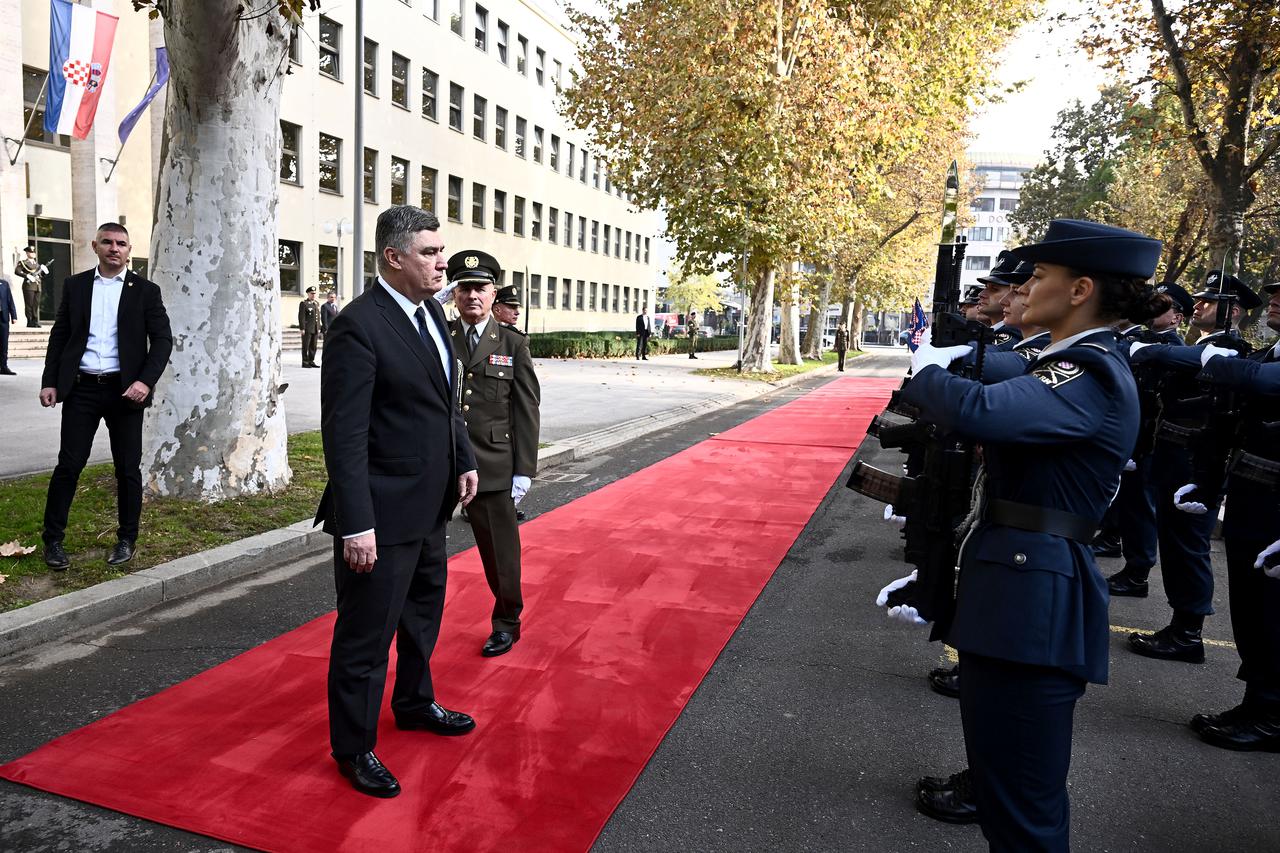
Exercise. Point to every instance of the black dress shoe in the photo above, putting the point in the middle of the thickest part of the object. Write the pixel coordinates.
(122, 553)
(520, 515)
(368, 775)
(1169, 643)
(4, 371)
(1107, 546)
(945, 680)
(435, 719)
(499, 643)
(1122, 584)
(950, 804)
(1256, 731)
(55, 557)
(1200, 722)
(939, 783)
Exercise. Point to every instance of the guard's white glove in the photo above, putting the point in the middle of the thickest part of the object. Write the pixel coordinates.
(519, 487)
(901, 612)
(927, 354)
(1193, 507)
(1272, 571)
(890, 516)
(444, 294)
(1209, 351)
(1131, 465)
(1137, 345)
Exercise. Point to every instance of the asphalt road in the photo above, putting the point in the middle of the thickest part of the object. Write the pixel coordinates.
(805, 736)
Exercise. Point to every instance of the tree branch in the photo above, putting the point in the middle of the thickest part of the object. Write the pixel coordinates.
(1268, 151)
(1182, 86)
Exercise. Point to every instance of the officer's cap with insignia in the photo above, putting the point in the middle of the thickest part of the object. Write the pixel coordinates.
(1272, 287)
(472, 266)
(1008, 271)
(1094, 247)
(1213, 284)
(509, 295)
(311, 290)
(1181, 299)
(971, 295)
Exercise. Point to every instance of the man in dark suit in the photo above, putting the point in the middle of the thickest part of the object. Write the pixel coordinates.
(309, 323)
(8, 316)
(398, 459)
(644, 330)
(328, 311)
(500, 406)
(109, 344)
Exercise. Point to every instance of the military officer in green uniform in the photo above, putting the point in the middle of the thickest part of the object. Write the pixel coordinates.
(309, 323)
(499, 396)
(693, 334)
(507, 305)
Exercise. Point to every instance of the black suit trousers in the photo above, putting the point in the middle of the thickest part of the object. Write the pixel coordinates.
(89, 404)
(4, 344)
(642, 346)
(404, 596)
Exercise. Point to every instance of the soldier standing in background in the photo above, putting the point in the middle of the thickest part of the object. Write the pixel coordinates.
(506, 307)
(842, 346)
(692, 328)
(32, 274)
(309, 323)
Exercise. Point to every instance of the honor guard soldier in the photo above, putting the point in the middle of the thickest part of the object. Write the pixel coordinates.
(693, 334)
(507, 305)
(500, 397)
(309, 323)
(969, 304)
(1030, 621)
(31, 273)
(1007, 274)
(1165, 328)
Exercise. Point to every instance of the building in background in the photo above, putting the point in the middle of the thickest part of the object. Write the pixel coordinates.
(460, 117)
(997, 197)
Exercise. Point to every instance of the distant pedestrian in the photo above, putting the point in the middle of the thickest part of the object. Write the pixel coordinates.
(8, 316)
(32, 273)
(108, 347)
(644, 331)
(692, 329)
(328, 311)
(842, 346)
(309, 323)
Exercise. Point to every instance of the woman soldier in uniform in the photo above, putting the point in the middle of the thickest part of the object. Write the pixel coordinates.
(1031, 609)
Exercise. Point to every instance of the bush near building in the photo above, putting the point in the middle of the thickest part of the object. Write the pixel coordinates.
(615, 344)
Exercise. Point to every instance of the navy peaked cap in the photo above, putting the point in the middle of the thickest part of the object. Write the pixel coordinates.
(1008, 271)
(1094, 247)
(1181, 299)
(1214, 283)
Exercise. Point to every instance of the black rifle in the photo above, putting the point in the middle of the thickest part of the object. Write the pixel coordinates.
(935, 494)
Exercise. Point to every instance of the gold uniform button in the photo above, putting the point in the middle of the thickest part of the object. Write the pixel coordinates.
(471, 376)
(468, 392)
(1019, 558)
(500, 373)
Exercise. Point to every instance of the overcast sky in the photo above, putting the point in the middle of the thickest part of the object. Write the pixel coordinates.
(1057, 74)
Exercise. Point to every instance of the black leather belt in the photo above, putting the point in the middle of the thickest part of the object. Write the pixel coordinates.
(100, 378)
(1041, 519)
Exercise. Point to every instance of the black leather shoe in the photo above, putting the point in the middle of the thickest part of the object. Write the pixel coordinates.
(499, 643)
(938, 783)
(946, 681)
(1200, 722)
(436, 720)
(368, 775)
(1169, 643)
(4, 371)
(55, 557)
(950, 804)
(1107, 546)
(1122, 584)
(1256, 731)
(520, 515)
(122, 553)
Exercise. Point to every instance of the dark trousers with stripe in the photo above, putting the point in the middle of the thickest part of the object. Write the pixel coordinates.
(497, 533)
(1136, 518)
(1017, 722)
(1184, 538)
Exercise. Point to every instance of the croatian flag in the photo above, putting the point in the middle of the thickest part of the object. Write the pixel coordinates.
(80, 41)
(919, 322)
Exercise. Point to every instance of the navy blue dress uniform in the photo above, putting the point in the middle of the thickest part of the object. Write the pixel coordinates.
(1031, 611)
(8, 316)
(500, 397)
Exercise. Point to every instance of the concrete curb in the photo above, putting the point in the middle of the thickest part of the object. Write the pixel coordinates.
(67, 614)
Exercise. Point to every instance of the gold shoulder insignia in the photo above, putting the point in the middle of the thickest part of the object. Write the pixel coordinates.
(1055, 373)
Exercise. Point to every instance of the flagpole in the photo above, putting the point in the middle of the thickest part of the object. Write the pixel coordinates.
(27, 128)
(107, 179)
(357, 180)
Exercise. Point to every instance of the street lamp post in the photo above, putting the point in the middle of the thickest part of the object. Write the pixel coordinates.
(340, 227)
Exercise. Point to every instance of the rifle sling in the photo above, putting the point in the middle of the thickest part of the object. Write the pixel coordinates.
(1041, 519)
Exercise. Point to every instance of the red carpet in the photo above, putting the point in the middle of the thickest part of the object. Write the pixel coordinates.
(630, 594)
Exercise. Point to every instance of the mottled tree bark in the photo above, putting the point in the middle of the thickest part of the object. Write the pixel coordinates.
(755, 344)
(217, 429)
(789, 332)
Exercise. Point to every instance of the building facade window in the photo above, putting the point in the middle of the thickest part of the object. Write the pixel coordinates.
(595, 236)
(295, 56)
(628, 245)
(614, 303)
(595, 173)
(551, 292)
(454, 200)
(430, 82)
(479, 111)
(617, 242)
(537, 144)
(535, 291)
(568, 158)
(499, 210)
(482, 28)
(606, 240)
(553, 216)
(330, 63)
(982, 234)
(1008, 204)
(290, 266)
(400, 80)
(431, 8)
(582, 173)
(503, 33)
(327, 268)
(977, 262)
(556, 72)
(535, 224)
(500, 127)
(371, 67)
(540, 70)
(478, 192)
(646, 250)
(566, 294)
(522, 55)
(983, 205)
(429, 176)
(33, 109)
(290, 143)
(553, 157)
(330, 157)
(371, 175)
(581, 302)
(582, 233)
(517, 222)
(455, 107)
(521, 127)
(455, 17)
(399, 181)
(568, 229)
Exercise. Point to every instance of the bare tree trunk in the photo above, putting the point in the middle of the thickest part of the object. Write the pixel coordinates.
(217, 429)
(855, 325)
(755, 344)
(818, 320)
(789, 334)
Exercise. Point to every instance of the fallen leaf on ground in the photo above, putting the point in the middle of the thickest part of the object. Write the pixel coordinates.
(3, 578)
(15, 549)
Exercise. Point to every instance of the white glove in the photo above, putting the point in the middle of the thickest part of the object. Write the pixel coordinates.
(896, 519)
(519, 487)
(1273, 571)
(1209, 351)
(1193, 507)
(901, 612)
(444, 294)
(1137, 345)
(1131, 465)
(927, 354)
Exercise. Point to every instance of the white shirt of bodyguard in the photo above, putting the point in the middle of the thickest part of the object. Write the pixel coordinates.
(410, 310)
(102, 351)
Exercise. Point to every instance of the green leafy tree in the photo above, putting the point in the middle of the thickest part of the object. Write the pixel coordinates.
(689, 291)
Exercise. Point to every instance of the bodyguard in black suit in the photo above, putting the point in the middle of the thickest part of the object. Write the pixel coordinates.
(644, 330)
(8, 316)
(398, 459)
(109, 344)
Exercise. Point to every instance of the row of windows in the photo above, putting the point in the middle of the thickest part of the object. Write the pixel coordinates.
(987, 204)
(987, 233)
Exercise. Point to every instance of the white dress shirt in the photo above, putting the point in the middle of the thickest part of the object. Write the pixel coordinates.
(102, 352)
(411, 309)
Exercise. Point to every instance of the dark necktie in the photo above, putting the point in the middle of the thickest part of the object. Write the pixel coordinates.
(421, 316)
(473, 340)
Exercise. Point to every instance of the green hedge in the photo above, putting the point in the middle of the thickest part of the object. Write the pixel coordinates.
(615, 344)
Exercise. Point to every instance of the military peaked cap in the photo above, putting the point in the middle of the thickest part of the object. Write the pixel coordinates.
(1215, 283)
(1094, 247)
(475, 266)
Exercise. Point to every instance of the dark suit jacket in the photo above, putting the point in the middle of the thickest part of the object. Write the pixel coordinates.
(143, 333)
(8, 310)
(640, 329)
(394, 440)
(500, 404)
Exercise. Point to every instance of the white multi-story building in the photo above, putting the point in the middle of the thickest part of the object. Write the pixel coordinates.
(460, 117)
(991, 232)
